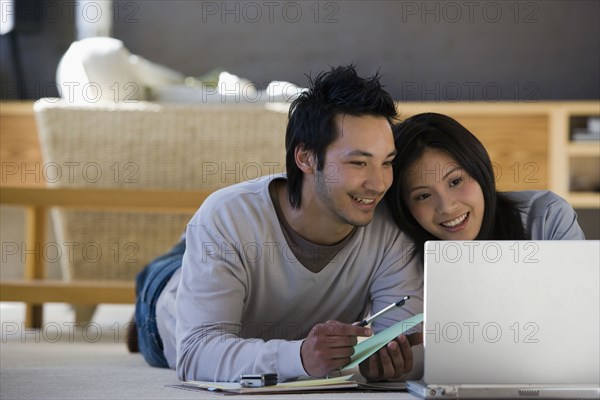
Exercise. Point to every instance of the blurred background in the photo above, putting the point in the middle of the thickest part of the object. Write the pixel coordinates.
(503, 51)
(523, 75)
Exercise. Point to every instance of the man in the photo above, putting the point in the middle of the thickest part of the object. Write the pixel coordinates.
(275, 271)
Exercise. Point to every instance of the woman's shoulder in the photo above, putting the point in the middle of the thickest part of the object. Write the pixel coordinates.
(546, 215)
(531, 200)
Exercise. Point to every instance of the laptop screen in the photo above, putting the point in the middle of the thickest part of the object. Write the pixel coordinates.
(512, 312)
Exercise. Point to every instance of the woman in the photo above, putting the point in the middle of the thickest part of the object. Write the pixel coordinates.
(444, 189)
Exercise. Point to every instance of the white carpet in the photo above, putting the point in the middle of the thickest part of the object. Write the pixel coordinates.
(61, 362)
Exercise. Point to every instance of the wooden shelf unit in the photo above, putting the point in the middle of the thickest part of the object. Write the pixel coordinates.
(575, 161)
(19, 145)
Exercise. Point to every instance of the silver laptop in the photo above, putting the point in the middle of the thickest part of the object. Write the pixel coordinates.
(511, 319)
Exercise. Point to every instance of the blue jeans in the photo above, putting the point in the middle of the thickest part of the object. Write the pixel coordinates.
(149, 283)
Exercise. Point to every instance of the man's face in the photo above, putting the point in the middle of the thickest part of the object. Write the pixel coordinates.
(357, 169)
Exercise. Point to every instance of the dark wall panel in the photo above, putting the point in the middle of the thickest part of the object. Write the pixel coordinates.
(427, 50)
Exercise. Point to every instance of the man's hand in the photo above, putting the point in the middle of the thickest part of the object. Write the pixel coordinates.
(390, 362)
(329, 347)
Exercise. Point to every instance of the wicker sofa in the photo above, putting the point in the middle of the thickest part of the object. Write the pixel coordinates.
(141, 146)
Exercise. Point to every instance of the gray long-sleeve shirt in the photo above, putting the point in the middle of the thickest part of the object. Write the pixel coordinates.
(547, 216)
(242, 303)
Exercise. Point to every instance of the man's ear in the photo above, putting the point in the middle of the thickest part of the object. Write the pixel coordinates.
(305, 159)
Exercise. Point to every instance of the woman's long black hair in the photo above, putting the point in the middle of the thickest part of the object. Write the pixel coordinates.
(501, 218)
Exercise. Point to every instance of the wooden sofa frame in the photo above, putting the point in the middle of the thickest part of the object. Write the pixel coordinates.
(34, 289)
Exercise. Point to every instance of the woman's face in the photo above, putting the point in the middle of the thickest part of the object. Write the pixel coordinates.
(444, 199)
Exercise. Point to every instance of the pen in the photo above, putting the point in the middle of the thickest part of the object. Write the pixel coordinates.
(367, 321)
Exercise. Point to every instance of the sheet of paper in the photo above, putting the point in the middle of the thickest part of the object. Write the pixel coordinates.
(315, 382)
(369, 346)
(300, 384)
